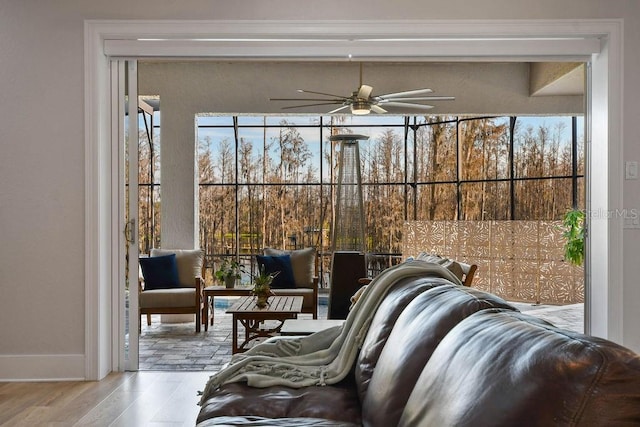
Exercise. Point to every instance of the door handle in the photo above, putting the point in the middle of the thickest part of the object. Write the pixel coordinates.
(129, 235)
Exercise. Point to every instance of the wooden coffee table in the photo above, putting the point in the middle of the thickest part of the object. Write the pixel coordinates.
(245, 311)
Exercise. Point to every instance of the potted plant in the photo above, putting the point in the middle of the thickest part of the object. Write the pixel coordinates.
(574, 233)
(229, 272)
(262, 286)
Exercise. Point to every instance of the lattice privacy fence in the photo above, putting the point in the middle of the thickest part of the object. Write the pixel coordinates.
(517, 260)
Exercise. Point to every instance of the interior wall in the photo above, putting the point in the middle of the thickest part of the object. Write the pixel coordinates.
(42, 197)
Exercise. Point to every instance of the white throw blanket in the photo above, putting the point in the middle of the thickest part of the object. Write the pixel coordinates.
(325, 357)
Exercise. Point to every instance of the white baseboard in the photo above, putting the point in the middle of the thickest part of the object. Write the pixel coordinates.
(42, 367)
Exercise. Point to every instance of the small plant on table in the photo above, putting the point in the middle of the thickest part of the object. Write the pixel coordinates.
(262, 286)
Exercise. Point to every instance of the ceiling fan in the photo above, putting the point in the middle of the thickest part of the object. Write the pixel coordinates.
(362, 101)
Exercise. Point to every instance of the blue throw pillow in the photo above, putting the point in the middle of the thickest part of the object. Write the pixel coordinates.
(281, 263)
(160, 272)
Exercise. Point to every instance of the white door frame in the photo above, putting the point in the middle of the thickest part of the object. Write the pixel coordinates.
(411, 40)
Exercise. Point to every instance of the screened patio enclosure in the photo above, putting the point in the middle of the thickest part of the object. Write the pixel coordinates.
(271, 181)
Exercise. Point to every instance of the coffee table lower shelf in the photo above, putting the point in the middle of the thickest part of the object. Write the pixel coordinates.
(245, 312)
(297, 327)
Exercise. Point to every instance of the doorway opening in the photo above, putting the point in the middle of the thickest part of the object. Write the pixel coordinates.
(605, 303)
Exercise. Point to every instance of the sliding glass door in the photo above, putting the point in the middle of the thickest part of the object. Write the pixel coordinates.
(124, 97)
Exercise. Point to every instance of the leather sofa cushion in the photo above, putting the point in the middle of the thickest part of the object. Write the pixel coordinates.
(415, 335)
(337, 402)
(398, 297)
(508, 368)
(164, 298)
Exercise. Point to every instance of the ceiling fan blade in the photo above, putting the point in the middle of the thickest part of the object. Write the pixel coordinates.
(405, 94)
(365, 91)
(378, 109)
(407, 105)
(310, 105)
(321, 93)
(307, 99)
(338, 109)
(421, 98)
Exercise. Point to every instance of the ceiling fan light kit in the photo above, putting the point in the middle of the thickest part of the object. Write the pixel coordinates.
(361, 102)
(360, 108)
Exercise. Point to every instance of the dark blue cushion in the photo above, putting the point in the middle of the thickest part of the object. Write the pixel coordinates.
(281, 263)
(160, 272)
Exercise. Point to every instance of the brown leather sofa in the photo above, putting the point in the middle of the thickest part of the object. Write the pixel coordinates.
(438, 354)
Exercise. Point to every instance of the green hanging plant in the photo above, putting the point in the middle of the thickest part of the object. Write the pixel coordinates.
(574, 233)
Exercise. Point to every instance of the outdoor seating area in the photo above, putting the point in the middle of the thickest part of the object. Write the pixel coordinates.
(175, 346)
(230, 323)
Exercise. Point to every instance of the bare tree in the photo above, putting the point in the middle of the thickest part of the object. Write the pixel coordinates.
(281, 204)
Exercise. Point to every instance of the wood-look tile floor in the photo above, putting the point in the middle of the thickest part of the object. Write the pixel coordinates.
(130, 399)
